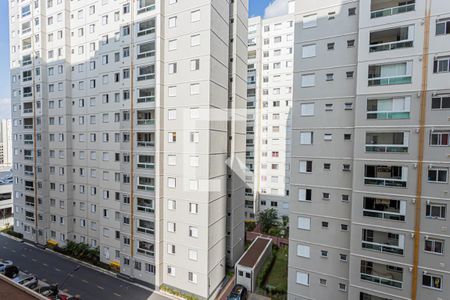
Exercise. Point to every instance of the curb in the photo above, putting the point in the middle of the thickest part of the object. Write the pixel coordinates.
(11, 237)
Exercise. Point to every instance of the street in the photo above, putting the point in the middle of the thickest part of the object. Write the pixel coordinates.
(88, 283)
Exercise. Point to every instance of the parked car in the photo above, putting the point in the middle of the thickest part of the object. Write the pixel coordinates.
(50, 291)
(4, 264)
(29, 281)
(239, 292)
(11, 271)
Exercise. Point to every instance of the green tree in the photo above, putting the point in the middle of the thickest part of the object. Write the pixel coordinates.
(268, 219)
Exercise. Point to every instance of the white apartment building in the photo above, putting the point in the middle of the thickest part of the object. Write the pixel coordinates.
(370, 160)
(269, 96)
(129, 133)
(5, 143)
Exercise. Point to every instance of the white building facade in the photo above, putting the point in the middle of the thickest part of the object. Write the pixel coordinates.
(5, 143)
(270, 71)
(129, 133)
(370, 164)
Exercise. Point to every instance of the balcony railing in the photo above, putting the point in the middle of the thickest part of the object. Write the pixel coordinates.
(146, 54)
(147, 188)
(146, 252)
(28, 142)
(28, 173)
(26, 157)
(385, 182)
(383, 215)
(27, 126)
(146, 31)
(146, 122)
(146, 143)
(146, 230)
(146, 9)
(29, 219)
(146, 99)
(146, 165)
(382, 248)
(146, 209)
(392, 11)
(393, 80)
(388, 115)
(391, 46)
(387, 148)
(382, 280)
(145, 77)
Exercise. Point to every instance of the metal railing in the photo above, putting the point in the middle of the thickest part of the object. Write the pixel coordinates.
(382, 247)
(392, 11)
(391, 46)
(382, 280)
(383, 215)
(393, 80)
(387, 148)
(385, 182)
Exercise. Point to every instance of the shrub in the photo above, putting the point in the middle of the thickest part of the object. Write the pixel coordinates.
(10, 230)
(265, 270)
(177, 293)
(250, 225)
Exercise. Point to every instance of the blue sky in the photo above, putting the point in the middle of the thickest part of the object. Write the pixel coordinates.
(256, 8)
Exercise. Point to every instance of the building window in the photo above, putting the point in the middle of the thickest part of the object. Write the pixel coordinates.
(302, 278)
(434, 246)
(304, 223)
(310, 21)
(192, 277)
(352, 11)
(443, 27)
(308, 80)
(432, 281)
(436, 210)
(306, 166)
(304, 194)
(437, 175)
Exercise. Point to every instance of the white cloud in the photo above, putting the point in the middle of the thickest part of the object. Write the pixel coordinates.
(5, 108)
(276, 8)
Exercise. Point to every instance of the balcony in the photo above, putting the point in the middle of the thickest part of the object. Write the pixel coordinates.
(145, 205)
(29, 201)
(27, 155)
(146, 162)
(383, 241)
(29, 186)
(146, 248)
(391, 39)
(391, 74)
(146, 95)
(146, 27)
(380, 274)
(388, 109)
(145, 139)
(28, 171)
(146, 184)
(146, 73)
(146, 227)
(29, 216)
(145, 117)
(384, 209)
(146, 50)
(28, 139)
(388, 176)
(387, 142)
(383, 8)
(28, 123)
(27, 92)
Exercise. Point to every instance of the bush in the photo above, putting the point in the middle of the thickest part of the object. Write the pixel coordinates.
(177, 293)
(265, 270)
(250, 225)
(81, 251)
(10, 230)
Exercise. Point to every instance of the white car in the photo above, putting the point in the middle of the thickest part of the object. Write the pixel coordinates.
(29, 281)
(3, 264)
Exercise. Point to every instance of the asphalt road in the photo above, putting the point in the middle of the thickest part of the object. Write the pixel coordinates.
(88, 283)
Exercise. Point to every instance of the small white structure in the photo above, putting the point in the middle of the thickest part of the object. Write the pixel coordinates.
(249, 265)
(6, 202)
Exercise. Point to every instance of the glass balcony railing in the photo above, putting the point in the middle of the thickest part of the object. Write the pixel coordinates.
(387, 148)
(147, 188)
(388, 115)
(390, 46)
(382, 248)
(390, 11)
(385, 182)
(382, 280)
(383, 215)
(146, 165)
(146, 99)
(394, 80)
(146, 122)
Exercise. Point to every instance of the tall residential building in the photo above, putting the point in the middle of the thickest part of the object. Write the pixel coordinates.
(370, 159)
(5, 142)
(269, 91)
(129, 133)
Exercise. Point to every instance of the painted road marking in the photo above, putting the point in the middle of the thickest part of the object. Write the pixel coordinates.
(45, 265)
(34, 260)
(13, 251)
(23, 255)
(85, 281)
(100, 287)
(118, 295)
(57, 270)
